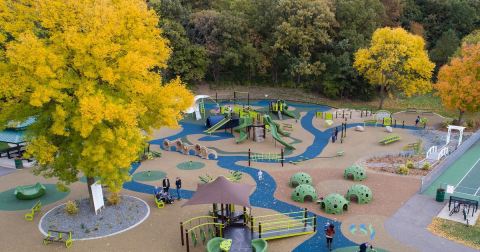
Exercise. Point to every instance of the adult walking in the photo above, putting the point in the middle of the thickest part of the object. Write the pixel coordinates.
(178, 184)
(329, 233)
(166, 184)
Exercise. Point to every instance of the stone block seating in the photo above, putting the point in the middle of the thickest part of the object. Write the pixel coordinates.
(360, 128)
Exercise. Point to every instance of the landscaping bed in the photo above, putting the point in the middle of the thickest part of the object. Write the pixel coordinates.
(113, 219)
(458, 232)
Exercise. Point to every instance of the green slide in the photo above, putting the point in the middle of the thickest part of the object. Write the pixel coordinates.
(217, 126)
(242, 128)
(30, 192)
(259, 245)
(289, 113)
(275, 130)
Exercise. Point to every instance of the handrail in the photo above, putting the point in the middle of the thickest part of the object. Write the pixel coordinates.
(274, 225)
(198, 217)
(204, 224)
(263, 216)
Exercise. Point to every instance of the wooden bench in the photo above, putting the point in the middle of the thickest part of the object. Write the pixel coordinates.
(411, 110)
(59, 236)
(389, 139)
(31, 214)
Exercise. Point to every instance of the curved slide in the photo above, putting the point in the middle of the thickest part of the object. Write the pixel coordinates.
(242, 129)
(217, 126)
(275, 130)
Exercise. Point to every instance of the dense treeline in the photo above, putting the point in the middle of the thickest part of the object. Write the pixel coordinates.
(301, 43)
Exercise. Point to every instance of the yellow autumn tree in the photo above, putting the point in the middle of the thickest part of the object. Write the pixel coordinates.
(458, 82)
(89, 72)
(396, 61)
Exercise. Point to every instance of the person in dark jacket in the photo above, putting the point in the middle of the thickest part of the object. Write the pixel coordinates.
(329, 233)
(364, 246)
(178, 184)
(166, 184)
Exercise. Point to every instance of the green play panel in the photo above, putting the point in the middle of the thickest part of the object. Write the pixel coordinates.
(8, 201)
(356, 248)
(148, 175)
(190, 165)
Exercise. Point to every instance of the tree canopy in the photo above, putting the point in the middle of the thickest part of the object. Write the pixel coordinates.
(397, 60)
(459, 81)
(89, 72)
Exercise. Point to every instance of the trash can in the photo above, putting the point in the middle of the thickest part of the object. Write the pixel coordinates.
(18, 164)
(440, 195)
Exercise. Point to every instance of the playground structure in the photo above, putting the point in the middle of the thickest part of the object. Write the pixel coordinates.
(200, 229)
(280, 107)
(359, 193)
(198, 107)
(334, 204)
(30, 192)
(304, 192)
(300, 178)
(355, 173)
(189, 149)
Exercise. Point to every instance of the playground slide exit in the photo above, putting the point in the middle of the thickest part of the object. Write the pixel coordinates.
(217, 126)
(242, 129)
(275, 130)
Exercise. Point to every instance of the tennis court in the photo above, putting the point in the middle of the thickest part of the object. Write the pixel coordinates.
(463, 174)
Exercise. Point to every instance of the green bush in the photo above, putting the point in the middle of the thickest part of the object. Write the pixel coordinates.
(426, 166)
(403, 170)
(410, 164)
(71, 207)
(61, 187)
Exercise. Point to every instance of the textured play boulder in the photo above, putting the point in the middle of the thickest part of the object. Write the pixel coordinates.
(355, 172)
(300, 178)
(304, 192)
(360, 193)
(334, 204)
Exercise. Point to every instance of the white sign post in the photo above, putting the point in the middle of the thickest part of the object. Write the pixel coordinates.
(97, 194)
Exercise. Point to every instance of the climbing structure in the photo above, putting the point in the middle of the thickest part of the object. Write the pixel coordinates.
(355, 172)
(300, 178)
(359, 193)
(334, 204)
(304, 192)
(189, 149)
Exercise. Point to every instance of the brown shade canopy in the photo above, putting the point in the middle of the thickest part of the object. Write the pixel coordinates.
(223, 191)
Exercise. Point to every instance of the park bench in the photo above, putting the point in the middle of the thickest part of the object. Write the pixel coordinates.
(389, 139)
(59, 236)
(427, 112)
(36, 208)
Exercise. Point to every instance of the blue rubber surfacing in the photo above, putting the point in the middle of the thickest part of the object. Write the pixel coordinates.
(263, 196)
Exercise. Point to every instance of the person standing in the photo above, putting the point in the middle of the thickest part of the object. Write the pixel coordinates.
(166, 184)
(260, 175)
(363, 247)
(417, 121)
(178, 184)
(336, 133)
(329, 235)
(333, 137)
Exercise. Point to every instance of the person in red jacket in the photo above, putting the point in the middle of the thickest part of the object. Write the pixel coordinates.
(329, 233)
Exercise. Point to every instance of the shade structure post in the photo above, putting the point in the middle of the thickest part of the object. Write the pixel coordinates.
(260, 230)
(188, 242)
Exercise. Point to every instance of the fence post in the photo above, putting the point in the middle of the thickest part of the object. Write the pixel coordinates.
(181, 232)
(249, 157)
(305, 215)
(281, 156)
(252, 224)
(188, 242)
(260, 230)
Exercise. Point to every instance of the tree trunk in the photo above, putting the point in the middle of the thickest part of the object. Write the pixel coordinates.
(90, 182)
(460, 117)
(382, 96)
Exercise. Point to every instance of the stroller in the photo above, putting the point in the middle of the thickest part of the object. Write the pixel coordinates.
(160, 194)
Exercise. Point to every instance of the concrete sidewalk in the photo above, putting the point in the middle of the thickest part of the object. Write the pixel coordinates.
(409, 226)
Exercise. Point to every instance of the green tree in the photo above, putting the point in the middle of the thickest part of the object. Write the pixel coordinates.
(445, 47)
(303, 26)
(87, 77)
(395, 59)
(189, 61)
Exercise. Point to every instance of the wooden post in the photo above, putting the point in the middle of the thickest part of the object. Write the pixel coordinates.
(221, 211)
(181, 232)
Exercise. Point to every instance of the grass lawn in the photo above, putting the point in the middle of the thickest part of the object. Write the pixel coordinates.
(461, 233)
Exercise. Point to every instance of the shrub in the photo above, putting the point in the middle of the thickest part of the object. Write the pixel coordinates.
(113, 198)
(426, 166)
(403, 170)
(61, 187)
(410, 164)
(71, 207)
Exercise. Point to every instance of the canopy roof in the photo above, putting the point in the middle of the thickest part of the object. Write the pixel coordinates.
(11, 136)
(223, 191)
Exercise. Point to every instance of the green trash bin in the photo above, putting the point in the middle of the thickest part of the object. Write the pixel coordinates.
(18, 164)
(440, 195)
